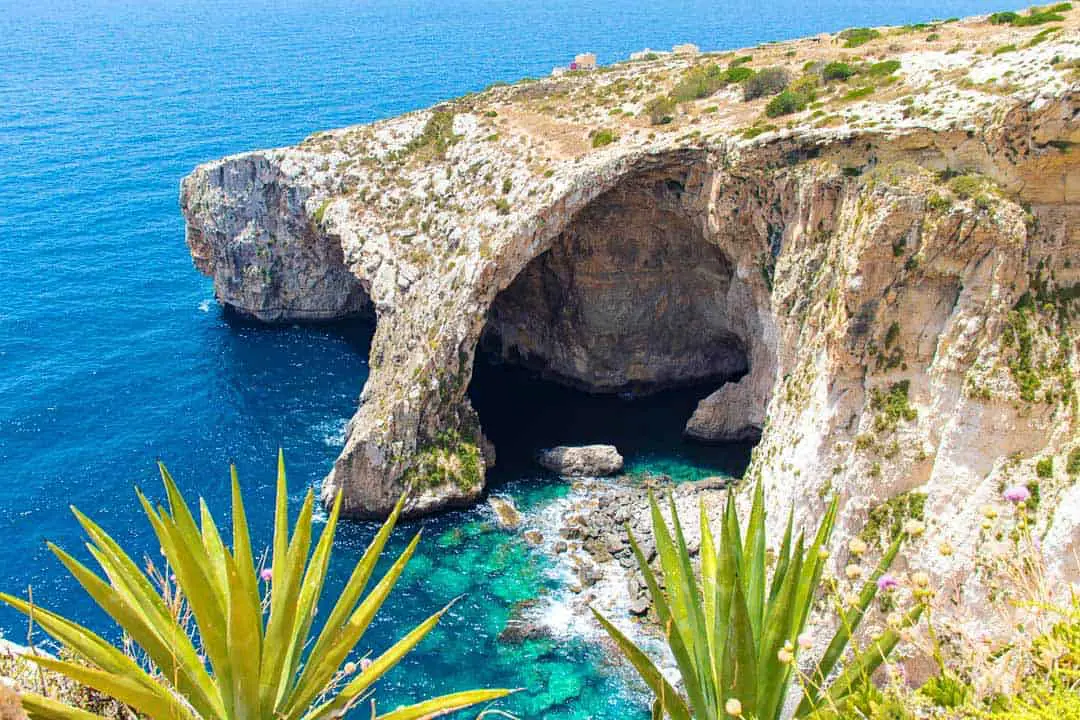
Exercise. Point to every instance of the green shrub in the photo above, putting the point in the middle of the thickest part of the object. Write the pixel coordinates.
(740, 61)
(837, 71)
(661, 110)
(1073, 465)
(738, 74)
(502, 206)
(1035, 16)
(603, 137)
(786, 103)
(892, 406)
(883, 69)
(436, 137)
(1044, 468)
(859, 93)
(507, 186)
(1004, 49)
(733, 631)
(854, 37)
(770, 81)
(752, 132)
(257, 641)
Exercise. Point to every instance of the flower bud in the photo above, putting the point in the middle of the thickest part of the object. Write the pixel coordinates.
(784, 655)
(920, 579)
(733, 707)
(857, 547)
(805, 641)
(945, 548)
(853, 572)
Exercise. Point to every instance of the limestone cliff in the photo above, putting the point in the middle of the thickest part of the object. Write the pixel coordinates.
(891, 267)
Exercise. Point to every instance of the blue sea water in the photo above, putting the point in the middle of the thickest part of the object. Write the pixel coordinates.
(112, 352)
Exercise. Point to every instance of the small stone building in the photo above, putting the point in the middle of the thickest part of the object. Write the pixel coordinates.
(584, 61)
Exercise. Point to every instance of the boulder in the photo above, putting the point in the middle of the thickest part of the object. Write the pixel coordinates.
(507, 515)
(582, 461)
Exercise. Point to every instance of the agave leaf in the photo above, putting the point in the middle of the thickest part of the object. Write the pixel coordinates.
(356, 584)
(284, 594)
(247, 583)
(187, 675)
(741, 661)
(130, 688)
(703, 694)
(709, 595)
(309, 595)
(870, 659)
(849, 623)
(776, 631)
(321, 668)
(380, 666)
(39, 707)
(663, 691)
(126, 577)
(215, 550)
(754, 566)
(135, 589)
(244, 630)
(680, 602)
(783, 558)
(669, 564)
(813, 566)
(663, 612)
(198, 591)
(445, 704)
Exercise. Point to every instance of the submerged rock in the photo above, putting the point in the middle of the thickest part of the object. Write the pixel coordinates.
(582, 461)
(507, 515)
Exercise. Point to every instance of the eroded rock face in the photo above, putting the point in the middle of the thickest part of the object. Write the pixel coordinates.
(266, 255)
(631, 295)
(582, 461)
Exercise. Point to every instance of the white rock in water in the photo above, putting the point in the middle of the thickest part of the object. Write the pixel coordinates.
(583, 461)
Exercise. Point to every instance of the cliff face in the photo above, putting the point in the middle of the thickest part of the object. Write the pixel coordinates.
(893, 274)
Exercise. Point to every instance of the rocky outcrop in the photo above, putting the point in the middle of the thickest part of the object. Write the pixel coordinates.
(583, 461)
(892, 274)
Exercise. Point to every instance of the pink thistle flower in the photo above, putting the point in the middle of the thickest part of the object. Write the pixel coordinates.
(887, 582)
(365, 663)
(1017, 494)
(266, 574)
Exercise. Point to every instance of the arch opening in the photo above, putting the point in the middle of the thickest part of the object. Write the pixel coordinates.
(632, 302)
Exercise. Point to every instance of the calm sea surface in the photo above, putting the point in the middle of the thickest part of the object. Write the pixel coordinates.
(113, 353)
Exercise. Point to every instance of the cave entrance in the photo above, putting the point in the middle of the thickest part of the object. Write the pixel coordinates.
(618, 329)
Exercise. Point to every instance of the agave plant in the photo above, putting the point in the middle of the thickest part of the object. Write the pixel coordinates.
(734, 632)
(213, 646)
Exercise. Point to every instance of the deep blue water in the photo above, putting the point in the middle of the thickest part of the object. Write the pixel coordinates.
(112, 353)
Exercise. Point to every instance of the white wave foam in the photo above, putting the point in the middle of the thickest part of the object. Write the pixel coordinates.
(332, 431)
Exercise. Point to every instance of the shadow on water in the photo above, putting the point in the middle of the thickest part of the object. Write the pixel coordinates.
(522, 413)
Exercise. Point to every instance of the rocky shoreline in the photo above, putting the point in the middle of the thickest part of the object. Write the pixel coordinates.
(585, 534)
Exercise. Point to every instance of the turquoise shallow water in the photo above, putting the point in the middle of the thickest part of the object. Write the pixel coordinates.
(112, 352)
